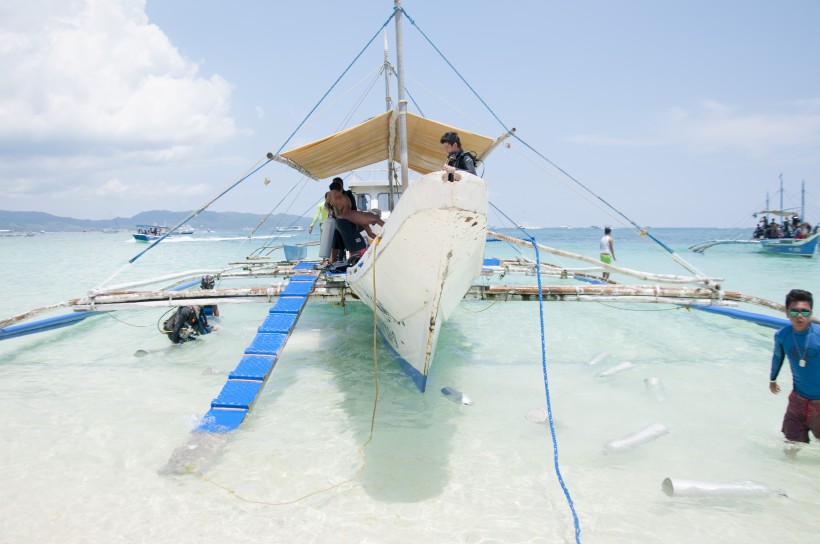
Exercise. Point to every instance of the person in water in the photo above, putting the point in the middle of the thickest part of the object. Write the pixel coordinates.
(607, 250)
(800, 342)
(186, 324)
(457, 158)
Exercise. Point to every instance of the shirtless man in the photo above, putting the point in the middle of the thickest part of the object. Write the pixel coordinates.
(341, 207)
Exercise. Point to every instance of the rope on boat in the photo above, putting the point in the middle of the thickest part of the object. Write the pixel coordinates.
(643, 231)
(547, 392)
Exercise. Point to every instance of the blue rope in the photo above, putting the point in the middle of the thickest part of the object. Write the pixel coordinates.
(547, 390)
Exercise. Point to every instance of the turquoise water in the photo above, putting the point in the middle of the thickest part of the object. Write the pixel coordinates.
(88, 425)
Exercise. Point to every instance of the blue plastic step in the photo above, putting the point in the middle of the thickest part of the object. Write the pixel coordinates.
(237, 394)
(267, 343)
(291, 305)
(221, 421)
(253, 367)
(278, 322)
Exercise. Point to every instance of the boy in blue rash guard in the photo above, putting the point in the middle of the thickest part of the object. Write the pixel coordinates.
(800, 342)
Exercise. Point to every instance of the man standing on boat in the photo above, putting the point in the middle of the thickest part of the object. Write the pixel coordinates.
(457, 158)
(800, 342)
(607, 250)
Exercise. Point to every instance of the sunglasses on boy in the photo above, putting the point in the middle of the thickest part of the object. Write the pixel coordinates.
(795, 313)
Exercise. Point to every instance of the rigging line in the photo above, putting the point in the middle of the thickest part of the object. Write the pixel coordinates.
(680, 260)
(264, 219)
(592, 202)
(203, 208)
(547, 392)
(658, 246)
(376, 35)
(358, 103)
(273, 238)
(413, 22)
(330, 105)
(413, 100)
(286, 210)
(449, 104)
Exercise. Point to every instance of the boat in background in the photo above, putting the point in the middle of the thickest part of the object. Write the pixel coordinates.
(768, 235)
(799, 247)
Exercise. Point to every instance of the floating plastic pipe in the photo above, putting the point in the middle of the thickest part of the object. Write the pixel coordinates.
(456, 396)
(634, 440)
(614, 370)
(655, 388)
(675, 487)
(537, 415)
(599, 358)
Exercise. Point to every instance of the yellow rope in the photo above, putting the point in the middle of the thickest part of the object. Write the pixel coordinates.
(361, 448)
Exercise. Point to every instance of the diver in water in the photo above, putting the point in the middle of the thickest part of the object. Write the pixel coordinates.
(185, 324)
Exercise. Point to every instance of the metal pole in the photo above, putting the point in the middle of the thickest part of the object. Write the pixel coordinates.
(803, 201)
(782, 216)
(402, 102)
(389, 105)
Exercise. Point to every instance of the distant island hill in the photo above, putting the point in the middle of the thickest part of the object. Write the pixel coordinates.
(230, 221)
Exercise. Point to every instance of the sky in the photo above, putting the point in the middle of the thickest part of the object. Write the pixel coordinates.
(675, 114)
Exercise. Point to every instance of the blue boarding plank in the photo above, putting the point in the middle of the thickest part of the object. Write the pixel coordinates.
(298, 288)
(267, 343)
(221, 421)
(253, 367)
(237, 394)
(304, 277)
(492, 262)
(278, 322)
(289, 305)
(305, 265)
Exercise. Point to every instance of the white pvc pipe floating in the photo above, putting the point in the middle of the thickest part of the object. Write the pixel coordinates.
(456, 396)
(599, 358)
(635, 439)
(655, 388)
(614, 369)
(675, 487)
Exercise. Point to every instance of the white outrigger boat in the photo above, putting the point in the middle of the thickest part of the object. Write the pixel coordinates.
(438, 226)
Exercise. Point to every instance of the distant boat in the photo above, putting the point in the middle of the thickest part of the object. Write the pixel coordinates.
(150, 233)
(527, 226)
(774, 243)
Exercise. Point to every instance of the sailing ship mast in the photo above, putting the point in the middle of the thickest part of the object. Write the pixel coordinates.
(402, 101)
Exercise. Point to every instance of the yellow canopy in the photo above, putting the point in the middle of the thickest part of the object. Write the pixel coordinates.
(369, 143)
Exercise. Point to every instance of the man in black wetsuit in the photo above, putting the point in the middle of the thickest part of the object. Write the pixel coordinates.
(457, 158)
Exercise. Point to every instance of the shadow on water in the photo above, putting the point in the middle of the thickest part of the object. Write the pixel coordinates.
(407, 460)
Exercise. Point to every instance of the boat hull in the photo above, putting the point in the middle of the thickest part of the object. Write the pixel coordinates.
(804, 247)
(430, 251)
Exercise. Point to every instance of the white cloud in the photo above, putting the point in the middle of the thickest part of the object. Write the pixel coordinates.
(96, 77)
(716, 127)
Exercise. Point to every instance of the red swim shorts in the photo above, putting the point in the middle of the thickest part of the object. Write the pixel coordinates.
(802, 416)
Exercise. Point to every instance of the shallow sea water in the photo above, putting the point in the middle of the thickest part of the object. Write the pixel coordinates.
(88, 425)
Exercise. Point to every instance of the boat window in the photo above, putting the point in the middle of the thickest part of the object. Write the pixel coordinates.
(363, 202)
(384, 200)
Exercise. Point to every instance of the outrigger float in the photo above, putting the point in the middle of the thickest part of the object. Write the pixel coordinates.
(442, 224)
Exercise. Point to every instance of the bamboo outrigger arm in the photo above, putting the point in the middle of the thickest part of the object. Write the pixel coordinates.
(712, 283)
(288, 162)
(496, 143)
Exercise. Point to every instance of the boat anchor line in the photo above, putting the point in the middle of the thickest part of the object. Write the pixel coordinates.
(237, 397)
